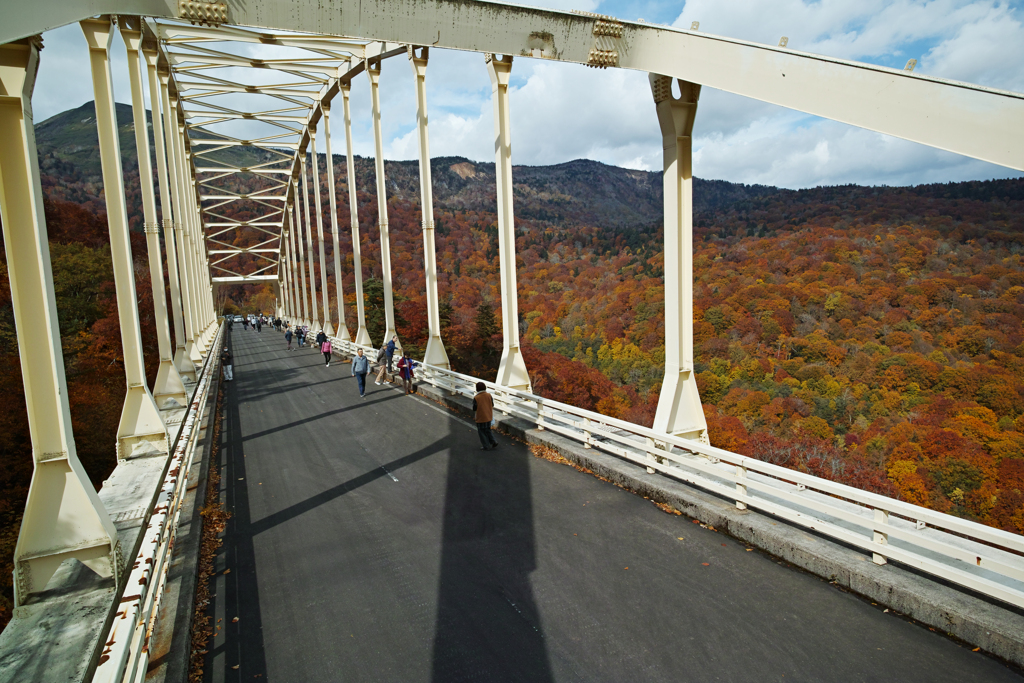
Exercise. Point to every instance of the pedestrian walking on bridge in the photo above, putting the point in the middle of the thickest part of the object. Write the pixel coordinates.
(483, 405)
(288, 338)
(226, 360)
(360, 366)
(405, 366)
(382, 356)
(325, 349)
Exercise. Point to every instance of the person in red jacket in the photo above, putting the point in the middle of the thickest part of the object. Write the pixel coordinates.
(405, 366)
(483, 406)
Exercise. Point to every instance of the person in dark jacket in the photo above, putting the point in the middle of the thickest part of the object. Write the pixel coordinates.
(391, 353)
(360, 366)
(320, 339)
(288, 338)
(226, 360)
(483, 406)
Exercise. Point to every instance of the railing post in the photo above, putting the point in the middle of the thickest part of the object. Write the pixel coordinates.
(373, 72)
(168, 390)
(512, 371)
(741, 486)
(679, 408)
(64, 517)
(342, 331)
(435, 354)
(362, 336)
(149, 52)
(183, 355)
(306, 317)
(324, 291)
(880, 538)
(141, 430)
(586, 432)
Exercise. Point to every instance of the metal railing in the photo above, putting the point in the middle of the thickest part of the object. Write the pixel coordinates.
(981, 558)
(125, 654)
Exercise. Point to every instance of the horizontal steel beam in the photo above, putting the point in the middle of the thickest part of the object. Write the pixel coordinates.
(966, 119)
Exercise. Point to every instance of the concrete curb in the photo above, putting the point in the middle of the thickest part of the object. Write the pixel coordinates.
(995, 628)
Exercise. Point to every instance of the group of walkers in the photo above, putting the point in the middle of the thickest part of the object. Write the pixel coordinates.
(483, 403)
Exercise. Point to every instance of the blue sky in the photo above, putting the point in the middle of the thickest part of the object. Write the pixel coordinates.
(562, 112)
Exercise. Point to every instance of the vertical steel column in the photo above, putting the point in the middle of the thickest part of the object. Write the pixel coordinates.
(141, 430)
(324, 291)
(297, 313)
(306, 318)
(512, 368)
(314, 315)
(168, 390)
(64, 518)
(156, 104)
(183, 355)
(188, 230)
(679, 410)
(373, 72)
(342, 331)
(435, 354)
(180, 185)
(362, 336)
(284, 266)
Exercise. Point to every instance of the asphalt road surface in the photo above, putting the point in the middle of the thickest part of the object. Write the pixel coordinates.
(371, 540)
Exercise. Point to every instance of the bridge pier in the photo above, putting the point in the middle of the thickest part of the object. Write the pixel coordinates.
(373, 72)
(325, 296)
(362, 336)
(435, 354)
(141, 431)
(342, 331)
(64, 517)
(679, 408)
(168, 390)
(512, 371)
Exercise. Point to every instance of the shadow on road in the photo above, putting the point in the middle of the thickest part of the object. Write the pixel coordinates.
(488, 626)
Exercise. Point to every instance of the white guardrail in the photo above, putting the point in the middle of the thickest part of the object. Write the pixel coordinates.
(981, 558)
(125, 655)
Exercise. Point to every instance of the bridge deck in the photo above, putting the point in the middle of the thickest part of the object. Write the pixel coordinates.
(371, 540)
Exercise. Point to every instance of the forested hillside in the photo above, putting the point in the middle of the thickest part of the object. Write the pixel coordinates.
(869, 335)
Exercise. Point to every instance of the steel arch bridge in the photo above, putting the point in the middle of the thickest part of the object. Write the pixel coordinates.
(310, 52)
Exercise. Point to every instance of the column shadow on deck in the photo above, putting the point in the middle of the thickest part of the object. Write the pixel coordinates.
(488, 626)
(238, 591)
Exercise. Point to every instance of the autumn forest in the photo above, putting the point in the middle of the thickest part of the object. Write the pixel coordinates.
(868, 335)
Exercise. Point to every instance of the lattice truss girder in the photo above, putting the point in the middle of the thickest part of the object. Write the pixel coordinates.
(245, 97)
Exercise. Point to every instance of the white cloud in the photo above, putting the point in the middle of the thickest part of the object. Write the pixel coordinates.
(562, 112)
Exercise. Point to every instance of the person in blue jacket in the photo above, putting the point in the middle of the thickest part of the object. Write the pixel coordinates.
(391, 353)
(360, 366)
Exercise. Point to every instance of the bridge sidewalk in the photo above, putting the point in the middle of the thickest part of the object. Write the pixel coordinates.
(371, 540)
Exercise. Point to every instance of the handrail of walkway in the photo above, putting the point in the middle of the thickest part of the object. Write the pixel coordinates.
(125, 654)
(978, 557)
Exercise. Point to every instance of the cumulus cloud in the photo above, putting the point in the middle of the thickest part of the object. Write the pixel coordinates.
(563, 111)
